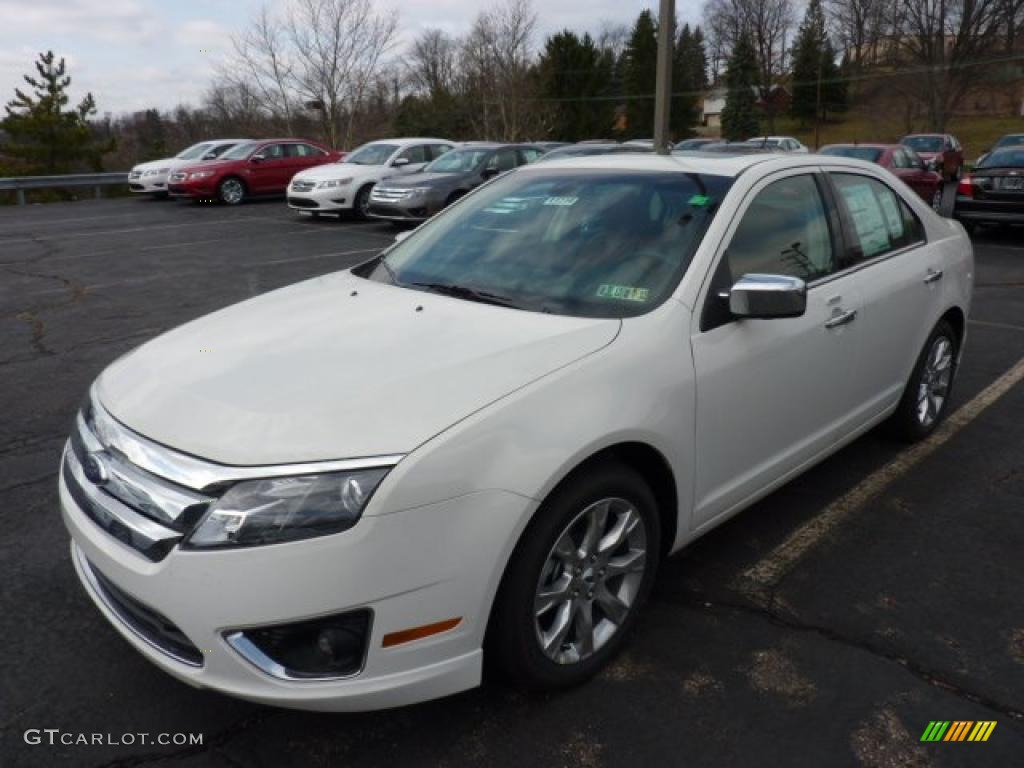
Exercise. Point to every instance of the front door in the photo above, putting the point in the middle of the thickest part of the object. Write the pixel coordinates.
(269, 173)
(771, 394)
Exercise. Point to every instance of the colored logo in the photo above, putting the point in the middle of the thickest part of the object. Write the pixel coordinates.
(958, 730)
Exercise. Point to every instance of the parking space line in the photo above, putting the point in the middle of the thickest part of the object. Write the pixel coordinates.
(148, 228)
(772, 568)
(989, 324)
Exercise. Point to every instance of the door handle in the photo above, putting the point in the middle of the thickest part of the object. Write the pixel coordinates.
(934, 275)
(842, 319)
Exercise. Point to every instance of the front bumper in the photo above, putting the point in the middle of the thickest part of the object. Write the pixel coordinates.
(410, 568)
(149, 185)
(334, 199)
(413, 213)
(201, 189)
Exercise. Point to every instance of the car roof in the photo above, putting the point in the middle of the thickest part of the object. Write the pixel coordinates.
(713, 164)
(926, 135)
(868, 145)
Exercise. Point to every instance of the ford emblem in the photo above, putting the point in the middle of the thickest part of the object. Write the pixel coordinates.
(95, 469)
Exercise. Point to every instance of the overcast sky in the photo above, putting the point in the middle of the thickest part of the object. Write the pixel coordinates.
(134, 54)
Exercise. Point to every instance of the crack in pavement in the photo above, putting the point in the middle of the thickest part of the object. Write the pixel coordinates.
(24, 444)
(763, 606)
(33, 481)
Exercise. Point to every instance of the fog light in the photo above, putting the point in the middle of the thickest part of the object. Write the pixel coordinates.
(324, 648)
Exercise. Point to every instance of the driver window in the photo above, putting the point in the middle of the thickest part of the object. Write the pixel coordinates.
(502, 160)
(784, 231)
(414, 155)
(273, 151)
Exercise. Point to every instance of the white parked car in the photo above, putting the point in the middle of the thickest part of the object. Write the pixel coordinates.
(346, 185)
(151, 178)
(780, 144)
(485, 439)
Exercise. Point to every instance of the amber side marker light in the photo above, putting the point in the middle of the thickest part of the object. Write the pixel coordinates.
(418, 633)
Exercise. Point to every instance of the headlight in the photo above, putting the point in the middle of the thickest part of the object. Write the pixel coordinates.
(200, 175)
(286, 509)
(417, 191)
(334, 183)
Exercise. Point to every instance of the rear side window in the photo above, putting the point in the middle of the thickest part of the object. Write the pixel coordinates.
(436, 150)
(304, 150)
(880, 221)
(529, 155)
(784, 231)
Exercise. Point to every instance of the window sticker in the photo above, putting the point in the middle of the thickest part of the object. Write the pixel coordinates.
(892, 216)
(699, 200)
(867, 218)
(623, 292)
(563, 201)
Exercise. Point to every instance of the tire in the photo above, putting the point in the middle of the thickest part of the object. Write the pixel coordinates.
(937, 199)
(454, 197)
(516, 630)
(231, 191)
(361, 202)
(925, 400)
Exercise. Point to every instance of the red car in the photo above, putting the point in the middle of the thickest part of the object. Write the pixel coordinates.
(262, 167)
(941, 151)
(902, 161)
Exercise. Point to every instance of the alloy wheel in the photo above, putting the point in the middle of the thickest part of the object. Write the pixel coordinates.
(935, 380)
(231, 191)
(590, 580)
(937, 200)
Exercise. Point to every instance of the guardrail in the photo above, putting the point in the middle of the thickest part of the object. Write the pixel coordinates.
(97, 181)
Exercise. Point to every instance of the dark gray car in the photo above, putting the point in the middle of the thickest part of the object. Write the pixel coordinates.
(419, 196)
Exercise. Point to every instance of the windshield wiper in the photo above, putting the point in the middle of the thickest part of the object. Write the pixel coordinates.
(470, 294)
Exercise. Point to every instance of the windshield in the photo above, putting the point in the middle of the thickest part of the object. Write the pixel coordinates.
(196, 150)
(871, 154)
(239, 151)
(585, 243)
(923, 143)
(371, 154)
(1007, 141)
(458, 161)
(1011, 157)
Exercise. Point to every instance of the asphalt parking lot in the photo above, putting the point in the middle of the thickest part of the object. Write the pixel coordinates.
(827, 625)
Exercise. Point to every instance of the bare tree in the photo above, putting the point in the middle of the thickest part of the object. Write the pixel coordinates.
(320, 53)
(768, 23)
(433, 62)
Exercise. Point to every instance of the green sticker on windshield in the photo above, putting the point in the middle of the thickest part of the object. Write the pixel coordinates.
(623, 292)
(699, 200)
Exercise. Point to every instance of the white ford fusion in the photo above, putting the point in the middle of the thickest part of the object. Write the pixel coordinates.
(484, 440)
(346, 184)
(151, 177)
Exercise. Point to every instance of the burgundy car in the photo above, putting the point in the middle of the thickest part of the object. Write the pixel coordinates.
(902, 161)
(261, 167)
(941, 151)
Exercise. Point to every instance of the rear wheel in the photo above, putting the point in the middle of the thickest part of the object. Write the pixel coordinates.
(231, 191)
(454, 196)
(577, 579)
(926, 398)
(937, 199)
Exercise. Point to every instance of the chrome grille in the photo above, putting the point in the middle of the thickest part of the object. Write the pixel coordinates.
(303, 186)
(134, 175)
(388, 194)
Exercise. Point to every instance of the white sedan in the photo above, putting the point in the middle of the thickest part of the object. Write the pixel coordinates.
(346, 185)
(150, 178)
(342, 494)
(780, 144)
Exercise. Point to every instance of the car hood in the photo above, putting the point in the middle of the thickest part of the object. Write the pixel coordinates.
(155, 165)
(341, 171)
(335, 367)
(425, 180)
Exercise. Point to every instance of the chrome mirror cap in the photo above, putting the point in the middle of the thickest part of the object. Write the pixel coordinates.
(768, 296)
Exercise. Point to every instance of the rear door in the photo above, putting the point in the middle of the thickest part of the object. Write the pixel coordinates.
(898, 277)
(772, 394)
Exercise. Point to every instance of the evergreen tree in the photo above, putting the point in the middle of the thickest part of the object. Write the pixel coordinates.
(577, 78)
(835, 81)
(739, 117)
(689, 79)
(44, 134)
(640, 75)
(808, 57)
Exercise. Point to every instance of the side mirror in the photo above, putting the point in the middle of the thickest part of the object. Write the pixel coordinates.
(489, 173)
(258, 158)
(768, 296)
(398, 162)
(210, 156)
(400, 236)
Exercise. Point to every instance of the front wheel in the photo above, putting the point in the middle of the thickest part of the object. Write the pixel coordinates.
(577, 579)
(231, 191)
(361, 204)
(926, 398)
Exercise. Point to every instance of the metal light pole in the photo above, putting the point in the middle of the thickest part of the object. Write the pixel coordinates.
(663, 86)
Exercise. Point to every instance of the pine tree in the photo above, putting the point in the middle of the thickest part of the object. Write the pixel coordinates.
(808, 63)
(42, 132)
(576, 77)
(687, 82)
(835, 81)
(739, 117)
(641, 67)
